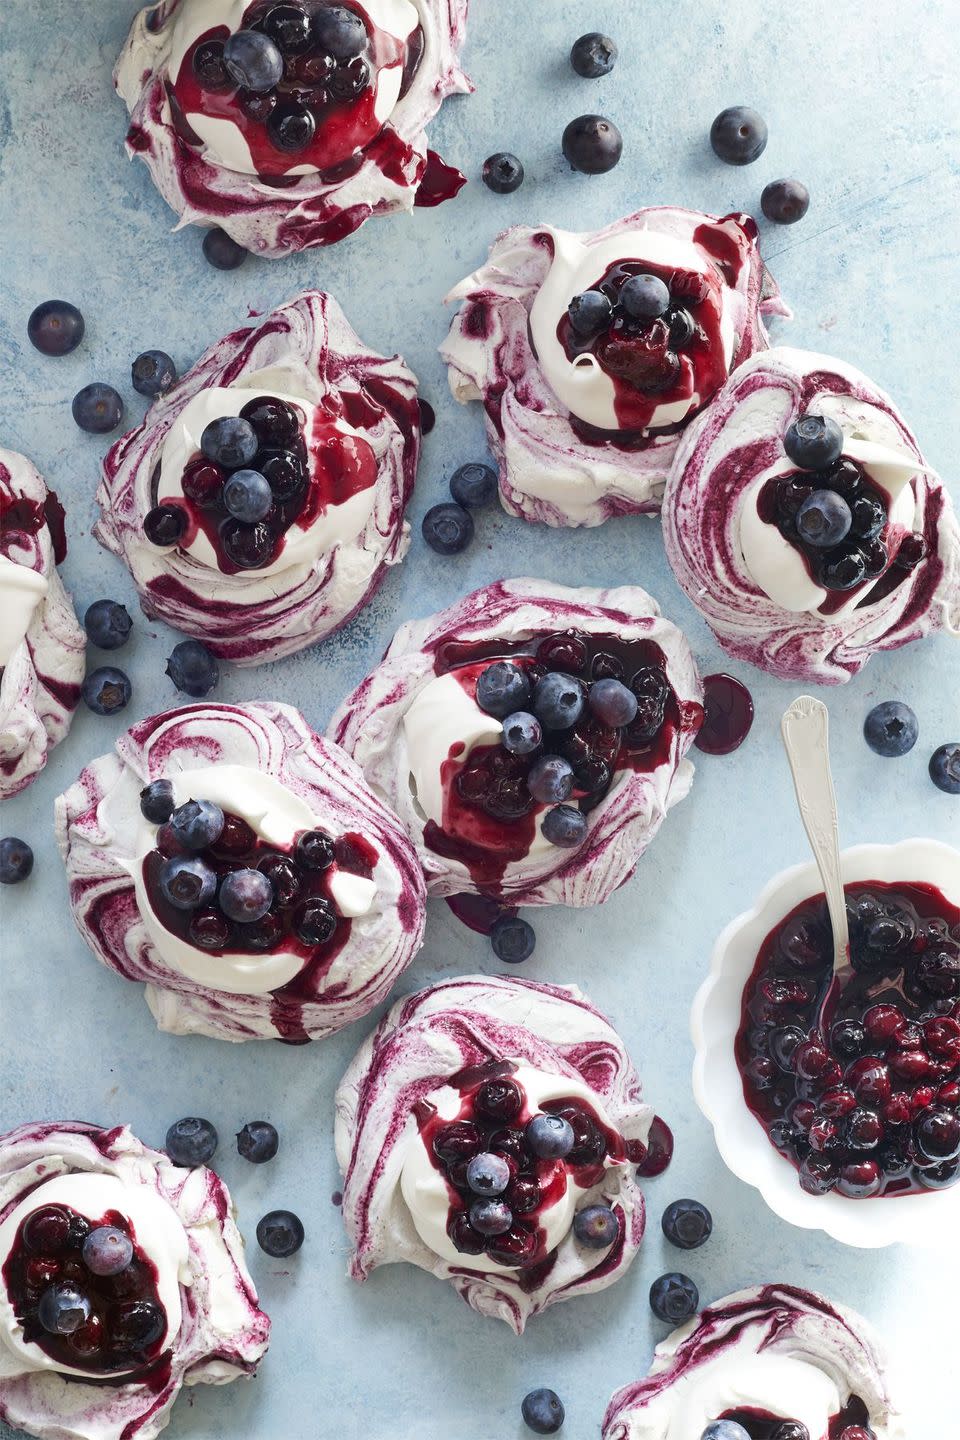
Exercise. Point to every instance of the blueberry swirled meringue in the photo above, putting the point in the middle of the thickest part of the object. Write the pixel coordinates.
(96, 1343)
(732, 509)
(334, 134)
(341, 917)
(42, 648)
(417, 729)
(460, 1070)
(763, 1357)
(584, 409)
(337, 434)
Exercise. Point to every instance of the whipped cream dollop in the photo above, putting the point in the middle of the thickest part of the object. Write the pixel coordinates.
(394, 1209)
(263, 763)
(774, 1351)
(332, 558)
(42, 647)
(553, 422)
(407, 721)
(751, 584)
(183, 1221)
(369, 157)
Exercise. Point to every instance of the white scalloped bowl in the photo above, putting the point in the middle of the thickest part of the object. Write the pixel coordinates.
(929, 1219)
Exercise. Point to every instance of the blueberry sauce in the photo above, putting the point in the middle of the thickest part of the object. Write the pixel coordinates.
(478, 912)
(764, 1425)
(428, 417)
(439, 182)
(19, 515)
(126, 1321)
(869, 1104)
(727, 715)
(659, 1150)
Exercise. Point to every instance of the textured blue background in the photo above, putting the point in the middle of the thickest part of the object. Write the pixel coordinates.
(863, 106)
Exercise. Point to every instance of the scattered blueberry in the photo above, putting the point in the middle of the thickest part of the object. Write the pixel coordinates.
(596, 1227)
(447, 528)
(165, 525)
(612, 703)
(687, 1224)
(725, 1430)
(542, 1411)
(512, 939)
(674, 1298)
(550, 780)
(785, 201)
(590, 312)
(107, 624)
(592, 144)
(55, 327)
(245, 896)
(891, 728)
(738, 135)
(16, 860)
(258, 1141)
(315, 850)
(193, 669)
(253, 60)
(502, 173)
(280, 1233)
(558, 702)
(62, 1310)
(521, 733)
(152, 373)
(945, 768)
(473, 486)
(488, 1174)
(645, 297)
(593, 55)
(197, 824)
(247, 496)
(107, 1250)
(186, 882)
(824, 519)
(191, 1142)
(97, 408)
(814, 442)
(550, 1137)
(221, 251)
(502, 688)
(565, 826)
(230, 441)
(156, 801)
(491, 1217)
(339, 31)
(106, 690)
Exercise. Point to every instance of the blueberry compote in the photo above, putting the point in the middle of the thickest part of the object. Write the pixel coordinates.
(850, 1423)
(308, 468)
(122, 1321)
(322, 112)
(869, 1104)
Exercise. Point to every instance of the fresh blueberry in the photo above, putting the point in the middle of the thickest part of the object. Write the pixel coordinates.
(280, 1233)
(186, 882)
(813, 442)
(339, 32)
(542, 1411)
(725, 1430)
(315, 850)
(16, 860)
(197, 824)
(289, 27)
(550, 1137)
(473, 486)
(221, 251)
(945, 768)
(106, 690)
(785, 201)
(447, 528)
(291, 128)
(674, 1298)
(824, 519)
(491, 1217)
(62, 1310)
(253, 60)
(193, 669)
(97, 408)
(512, 939)
(644, 297)
(488, 1174)
(152, 373)
(502, 173)
(738, 135)
(156, 801)
(502, 688)
(55, 327)
(165, 525)
(593, 55)
(107, 1250)
(247, 496)
(612, 703)
(564, 826)
(191, 1142)
(521, 733)
(558, 702)
(589, 312)
(316, 921)
(550, 780)
(258, 1141)
(107, 624)
(230, 441)
(245, 896)
(891, 729)
(687, 1224)
(592, 144)
(596, 1227)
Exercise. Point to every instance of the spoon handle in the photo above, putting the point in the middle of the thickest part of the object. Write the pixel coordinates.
(805, 728)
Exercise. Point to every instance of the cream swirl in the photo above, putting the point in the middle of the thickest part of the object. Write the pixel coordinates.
(21, 591)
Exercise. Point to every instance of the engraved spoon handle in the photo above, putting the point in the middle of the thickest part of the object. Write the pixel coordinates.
(805, 729)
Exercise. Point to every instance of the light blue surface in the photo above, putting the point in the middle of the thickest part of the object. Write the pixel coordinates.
(862, 104)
